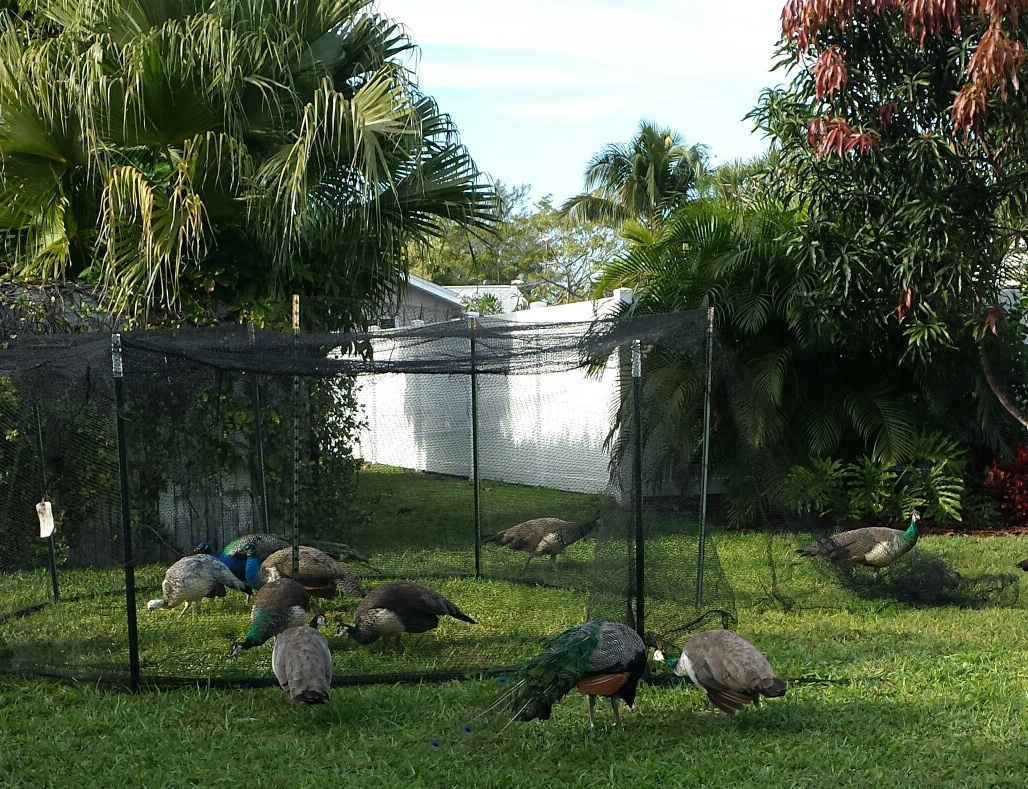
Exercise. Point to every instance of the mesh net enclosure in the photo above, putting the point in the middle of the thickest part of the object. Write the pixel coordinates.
(498, 463)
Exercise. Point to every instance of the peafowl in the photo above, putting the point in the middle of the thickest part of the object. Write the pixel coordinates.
(191, 579)
(599, 658)
(236, 554)
(1023, 564)
(321, 574)
(302, 663)
(873, 546)
(725, 666)
(278, 605)
(399, 607)
(542, 537)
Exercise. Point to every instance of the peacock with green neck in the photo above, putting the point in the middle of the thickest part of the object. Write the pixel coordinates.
(872, 546)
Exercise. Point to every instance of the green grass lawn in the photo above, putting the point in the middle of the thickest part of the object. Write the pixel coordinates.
(881, 693)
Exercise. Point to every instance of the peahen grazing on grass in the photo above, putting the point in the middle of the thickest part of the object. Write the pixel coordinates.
(302, 664)
(399, 607)
(598, 658)
(873, 546)
(321, 574)
(278, 605)
(191, 579)
(725, 666)
(542, 537)
(246, 547)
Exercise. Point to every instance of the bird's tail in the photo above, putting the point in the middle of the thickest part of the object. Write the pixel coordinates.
(814, 549)
(493, 537)
(226, 577)
(310, 696)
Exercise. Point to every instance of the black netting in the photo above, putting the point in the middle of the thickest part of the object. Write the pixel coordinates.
(361, 445)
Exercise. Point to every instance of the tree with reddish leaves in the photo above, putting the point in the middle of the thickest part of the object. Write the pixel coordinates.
(904, 129)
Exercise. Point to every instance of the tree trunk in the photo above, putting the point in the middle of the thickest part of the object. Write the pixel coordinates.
(1012, 408)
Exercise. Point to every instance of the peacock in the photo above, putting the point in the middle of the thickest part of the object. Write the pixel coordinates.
(725, 666)
(191, 579)
(278, 605)
(321, 574)
(598, 658)
(542, 537)
(237, 552)
(873, 546)
(399, 607)
(302, 664)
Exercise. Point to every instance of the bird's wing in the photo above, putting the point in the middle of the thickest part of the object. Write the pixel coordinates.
(302, 662)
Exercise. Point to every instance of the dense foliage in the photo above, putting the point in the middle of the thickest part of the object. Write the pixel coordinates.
(198, 155)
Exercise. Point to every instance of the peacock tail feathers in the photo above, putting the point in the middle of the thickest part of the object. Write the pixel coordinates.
(550, 675)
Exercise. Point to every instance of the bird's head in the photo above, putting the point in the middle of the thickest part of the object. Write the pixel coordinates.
(203, 547)
(344, 629)
(153, 605)
(319, 620)
(659, 654)
(238, 648)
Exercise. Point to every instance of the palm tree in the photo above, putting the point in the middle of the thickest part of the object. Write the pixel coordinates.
(183, 152)
(642, 180)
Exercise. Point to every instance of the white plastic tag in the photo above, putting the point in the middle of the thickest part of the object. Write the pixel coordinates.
(46, 518)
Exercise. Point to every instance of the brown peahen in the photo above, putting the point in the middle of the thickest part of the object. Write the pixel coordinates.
(277, 606)
(191, 579)
(873, 546)
(321, 574)
(302, 664)
(399, 607)
(725, 666)
(542, 537)
(598, 658)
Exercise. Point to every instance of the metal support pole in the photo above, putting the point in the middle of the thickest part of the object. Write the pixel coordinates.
(637, 491)
(296, 439)
(46, 497)
(126, 515)
(262, 484)
(473, 324)
(702, 550)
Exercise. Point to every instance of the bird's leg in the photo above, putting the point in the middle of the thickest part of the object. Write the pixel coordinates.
(525, 568)
(614, 703)
(553, 562)
(185, 608)
(196, 607)
(592, 720)
(399, 643)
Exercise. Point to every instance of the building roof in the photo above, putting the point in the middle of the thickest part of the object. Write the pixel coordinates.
(509, 296)
(440, 292)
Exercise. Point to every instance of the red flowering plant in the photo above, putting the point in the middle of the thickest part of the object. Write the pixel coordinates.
(1008, 486)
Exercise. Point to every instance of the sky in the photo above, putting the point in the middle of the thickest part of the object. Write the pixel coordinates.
(538, 87)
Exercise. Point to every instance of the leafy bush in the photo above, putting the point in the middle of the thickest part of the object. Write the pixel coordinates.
(866, 489)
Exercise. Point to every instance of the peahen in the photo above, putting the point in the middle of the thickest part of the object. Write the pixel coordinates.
(302, 664)
(873, 546)
(237, 552)
(542, 537)
(321, 574)
(399, 607)
(725, 666)
(278, 605)
(599, 658)
(191, 579)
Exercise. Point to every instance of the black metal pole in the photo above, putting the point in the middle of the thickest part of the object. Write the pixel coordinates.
(126, 515)
(702, 550)
(637, 492)
(262, 484)
(296, 438)
(473, 323)
(46, 497)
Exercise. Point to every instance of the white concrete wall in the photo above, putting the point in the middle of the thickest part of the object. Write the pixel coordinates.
(544, 430)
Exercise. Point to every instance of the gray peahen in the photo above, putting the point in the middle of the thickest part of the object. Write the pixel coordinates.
(725, 666)
(278, 605)
(598, 658)
(873, 546)
(191, 579)
(321, 574)
(542, 537)
(399, 607)
(302, 664)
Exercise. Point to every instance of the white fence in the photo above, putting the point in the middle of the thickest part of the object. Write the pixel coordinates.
(538, 429)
